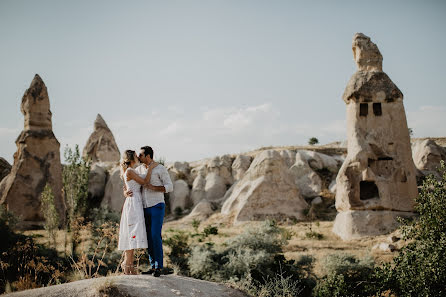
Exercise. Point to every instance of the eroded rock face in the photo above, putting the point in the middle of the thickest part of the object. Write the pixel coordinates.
(180, 195)
(96, 182)
(5, 168)
(240, 166)
(427, 156)
(36, 161)
(266, 191)
(114, 193)
(378, 172)
(101, 145)
(366, 54)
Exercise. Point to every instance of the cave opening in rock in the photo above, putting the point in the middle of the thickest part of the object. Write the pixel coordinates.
(368, 190)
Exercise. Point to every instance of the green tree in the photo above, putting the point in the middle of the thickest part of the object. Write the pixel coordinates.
(50, 213)
(420, 268)
(75, 185)
(313, 141)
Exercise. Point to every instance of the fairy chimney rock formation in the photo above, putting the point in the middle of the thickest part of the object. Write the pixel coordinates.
(36, 162)
(101, 145)
(377, 181)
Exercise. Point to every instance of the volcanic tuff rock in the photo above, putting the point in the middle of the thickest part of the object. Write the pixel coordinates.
(101, 145)
(114, 193)
(427, 155)
(36, 162)
(5, 168)
(378, 172)
(266, 191)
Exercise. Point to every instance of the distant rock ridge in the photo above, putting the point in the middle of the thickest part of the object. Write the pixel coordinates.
(36, 161)
(101, 145)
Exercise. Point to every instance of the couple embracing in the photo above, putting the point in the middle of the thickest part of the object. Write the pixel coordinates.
(145, 182)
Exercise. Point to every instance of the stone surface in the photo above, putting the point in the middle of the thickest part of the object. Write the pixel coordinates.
(384, 246)
(36, 161)
(5, 168)
(134, 286)
(306, 180)
(114, 193)
(366, 54)
(378, 172)
(96, 182)
(222, 166)
(240, 166)
(427, 156)
(215, 187)
(266, 191)
(101, 145)
(180, 195)
(180, 170)
(359, 223)
(332, 186)
(198, 189)
(202, 210)
(316, 201)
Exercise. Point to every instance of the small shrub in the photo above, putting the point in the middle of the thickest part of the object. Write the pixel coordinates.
(178, 211)
(314, 235)
(210, 230)
(195, 224)
(179, 251)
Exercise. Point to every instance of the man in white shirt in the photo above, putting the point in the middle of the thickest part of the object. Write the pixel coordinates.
(154, 207)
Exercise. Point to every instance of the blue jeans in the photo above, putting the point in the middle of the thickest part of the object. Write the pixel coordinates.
(154, 223)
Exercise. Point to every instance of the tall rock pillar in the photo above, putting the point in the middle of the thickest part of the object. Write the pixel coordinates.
(376, 182)
(36, 162)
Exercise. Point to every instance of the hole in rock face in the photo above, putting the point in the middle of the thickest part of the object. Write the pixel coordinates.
(377, 109)
(363, 109)
(368, 190)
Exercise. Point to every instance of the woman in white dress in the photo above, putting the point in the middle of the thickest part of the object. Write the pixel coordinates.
(132, 229)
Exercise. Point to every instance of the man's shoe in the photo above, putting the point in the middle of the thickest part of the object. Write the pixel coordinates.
(150, 271)
(157, 272)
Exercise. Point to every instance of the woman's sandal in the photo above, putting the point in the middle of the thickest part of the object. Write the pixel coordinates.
(128, 269)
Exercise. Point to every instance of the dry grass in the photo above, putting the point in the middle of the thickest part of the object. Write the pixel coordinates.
(299, 245)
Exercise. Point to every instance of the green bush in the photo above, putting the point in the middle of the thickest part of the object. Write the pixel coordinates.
(210, 230)
(179, 251)
(253, 257)
(420, 268)
(346, 276)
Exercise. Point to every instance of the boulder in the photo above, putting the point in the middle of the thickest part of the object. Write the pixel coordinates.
(114, 193)
(134, 286)
(240, 166)
(316, 201)
(332, 186)
(36, 161)
(180, 170)
(180, 195)
(222, 166)
(96, 182)
(101, 145)
(267, 190)
(202, 210)
(215, 187)
(288, 156)
(5, 168)
(427, 155)
(307, 181)
(198, 189)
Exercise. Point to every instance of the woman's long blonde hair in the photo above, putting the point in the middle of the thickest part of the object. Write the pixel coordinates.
(127, 157)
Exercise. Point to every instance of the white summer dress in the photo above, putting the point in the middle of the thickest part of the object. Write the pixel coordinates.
(132, 229)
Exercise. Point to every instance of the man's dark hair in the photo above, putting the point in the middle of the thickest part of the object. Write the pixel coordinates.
(148, 151)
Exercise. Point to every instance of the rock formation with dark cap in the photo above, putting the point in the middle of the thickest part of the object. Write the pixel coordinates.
(377, 181)
(36, 162)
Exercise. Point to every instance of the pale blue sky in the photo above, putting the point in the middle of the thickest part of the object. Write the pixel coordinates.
(196, 79)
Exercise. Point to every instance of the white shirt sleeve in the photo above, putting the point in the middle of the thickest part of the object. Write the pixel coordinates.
(165, 179)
